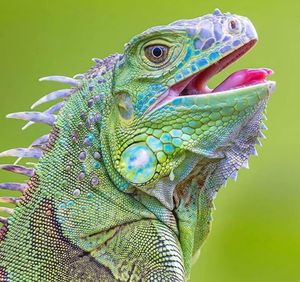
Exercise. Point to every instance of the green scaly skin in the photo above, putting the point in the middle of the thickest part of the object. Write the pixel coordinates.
(124, 188)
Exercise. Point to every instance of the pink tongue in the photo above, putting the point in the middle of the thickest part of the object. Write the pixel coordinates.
(244, 77)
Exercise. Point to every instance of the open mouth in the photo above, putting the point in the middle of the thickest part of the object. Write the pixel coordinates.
(197, 83)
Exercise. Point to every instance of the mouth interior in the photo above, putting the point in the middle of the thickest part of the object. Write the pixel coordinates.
(197, 83)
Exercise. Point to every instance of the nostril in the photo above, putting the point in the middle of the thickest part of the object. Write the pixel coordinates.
(232, 24)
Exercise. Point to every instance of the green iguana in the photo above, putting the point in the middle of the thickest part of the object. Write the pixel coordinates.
(124, 183)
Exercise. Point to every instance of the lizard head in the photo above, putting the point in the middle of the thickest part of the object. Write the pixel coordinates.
(165, 117)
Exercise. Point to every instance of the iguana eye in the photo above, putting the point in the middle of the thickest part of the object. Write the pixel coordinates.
(156, 53)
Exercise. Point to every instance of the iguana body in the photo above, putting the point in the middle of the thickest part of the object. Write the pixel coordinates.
(125, 180)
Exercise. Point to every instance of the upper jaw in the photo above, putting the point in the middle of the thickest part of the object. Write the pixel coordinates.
(196, 84)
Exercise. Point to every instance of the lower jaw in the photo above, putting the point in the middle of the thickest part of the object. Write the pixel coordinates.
(251, 94)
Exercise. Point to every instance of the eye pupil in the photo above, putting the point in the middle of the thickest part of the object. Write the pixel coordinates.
(157, 52)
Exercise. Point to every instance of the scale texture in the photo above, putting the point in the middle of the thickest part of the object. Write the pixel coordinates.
(124, 183)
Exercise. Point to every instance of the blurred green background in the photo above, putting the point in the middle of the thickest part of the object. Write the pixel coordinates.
(256, 229)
